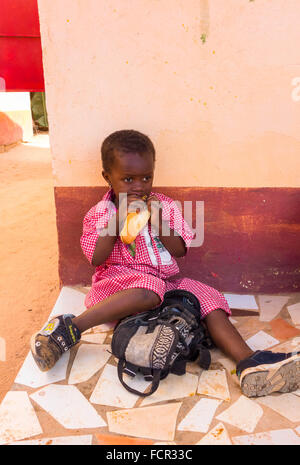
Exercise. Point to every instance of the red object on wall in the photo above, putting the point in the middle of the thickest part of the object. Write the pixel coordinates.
(21, 66)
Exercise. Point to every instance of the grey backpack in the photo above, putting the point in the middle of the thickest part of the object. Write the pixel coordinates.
(161, 341)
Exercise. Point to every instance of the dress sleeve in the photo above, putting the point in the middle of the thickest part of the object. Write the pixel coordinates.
(90, 235)
(95, 220)
(172, 214)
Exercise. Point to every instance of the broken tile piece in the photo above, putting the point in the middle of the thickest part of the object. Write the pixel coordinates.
(230, 366)
(292, 345)
(270, 306)
(31, 375)
(156, 422)
(283, 330)
(84, 440)
(194, 368)
(109, 390)
(298, 429)
(297, 393)
(68, 406)
(279, 437)
(98, 338)
(287, 405)
(243, 414)
(173, 387)
(261, 341)
(213, 383)
(112, 440)
(69, 301)
(216, 354)
(200, 417)
(216, 436)
(294, 311)
(89, 359)
(18, 419)
(242, 302)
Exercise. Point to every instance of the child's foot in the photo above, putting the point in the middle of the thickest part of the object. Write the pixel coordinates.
(56, 337)
(266, 372)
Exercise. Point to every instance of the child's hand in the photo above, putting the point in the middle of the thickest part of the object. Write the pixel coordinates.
(131, 203)
(154, 206)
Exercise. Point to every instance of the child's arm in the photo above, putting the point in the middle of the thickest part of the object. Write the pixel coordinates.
(106, 242)
(173, 243)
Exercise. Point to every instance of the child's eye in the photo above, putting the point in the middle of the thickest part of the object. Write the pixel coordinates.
(147, 178)
(127, 179)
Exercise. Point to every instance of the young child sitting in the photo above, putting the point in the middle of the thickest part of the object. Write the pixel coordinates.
(134, 278)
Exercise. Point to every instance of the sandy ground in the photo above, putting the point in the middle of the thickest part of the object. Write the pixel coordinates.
(28, 250)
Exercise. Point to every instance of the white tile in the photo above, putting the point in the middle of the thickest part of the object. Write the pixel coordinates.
(68, 406)
(294, 311)
(200, 417)
(244, 414)
(213, 383)
(109, 390)
(83, 440)
(279, 437)
(98, 338)
(231, 368)
(104, 328)
(173, 387)
(271, 306)
(241, 302)
(31, 375)
(287, 405)
(18, 419)
(261, 341)
(217, 436)
(157, 422)
(89, 359)
(69, 301)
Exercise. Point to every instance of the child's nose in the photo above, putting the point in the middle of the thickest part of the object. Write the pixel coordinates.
(138, 188)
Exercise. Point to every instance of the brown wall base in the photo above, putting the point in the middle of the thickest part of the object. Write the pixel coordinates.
(251, 237)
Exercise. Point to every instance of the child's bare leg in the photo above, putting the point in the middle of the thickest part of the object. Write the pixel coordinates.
(226, 337)
(260, 373)
(117, 306)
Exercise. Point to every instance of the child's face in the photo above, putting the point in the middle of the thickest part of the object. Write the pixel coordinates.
(131, 173)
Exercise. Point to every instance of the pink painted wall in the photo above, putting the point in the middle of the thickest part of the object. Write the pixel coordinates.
(10, 132)
(224, 112)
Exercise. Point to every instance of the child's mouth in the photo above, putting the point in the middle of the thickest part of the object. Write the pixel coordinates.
(143, 197)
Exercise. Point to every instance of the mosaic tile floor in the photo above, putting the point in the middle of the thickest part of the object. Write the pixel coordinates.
(81, 401)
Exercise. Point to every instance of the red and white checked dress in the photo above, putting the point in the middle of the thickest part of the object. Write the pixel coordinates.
(152, 267)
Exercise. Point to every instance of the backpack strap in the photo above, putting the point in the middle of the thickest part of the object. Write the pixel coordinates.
(187, 298)
(155, 379)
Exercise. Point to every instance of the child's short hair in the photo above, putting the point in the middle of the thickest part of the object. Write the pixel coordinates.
(127, 140)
